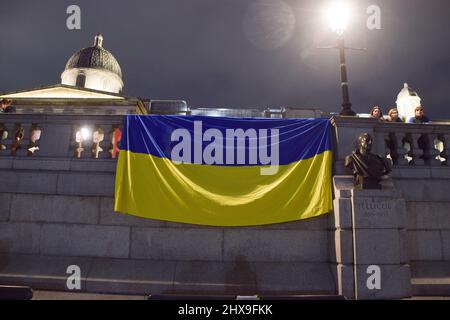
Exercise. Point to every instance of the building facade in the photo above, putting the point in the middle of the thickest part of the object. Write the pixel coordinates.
(57, 172)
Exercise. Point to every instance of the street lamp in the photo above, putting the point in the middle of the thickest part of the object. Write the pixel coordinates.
(338, 16)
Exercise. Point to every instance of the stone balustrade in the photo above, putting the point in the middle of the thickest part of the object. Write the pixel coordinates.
(404, 144)
(415, 144)
(98, 136)
(60, 136)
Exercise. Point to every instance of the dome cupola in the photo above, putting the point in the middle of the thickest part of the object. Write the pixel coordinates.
(407, 101)
(94, 68)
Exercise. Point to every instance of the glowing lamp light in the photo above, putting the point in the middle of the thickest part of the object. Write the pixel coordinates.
(85, 133)
(338, 15)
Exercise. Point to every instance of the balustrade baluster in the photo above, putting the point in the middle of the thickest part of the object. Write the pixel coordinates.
(390, 147)
(17, 138)
(3, 136)
(436, 149)
(446, 153)
(35, 135)
(98, 137)
(400, 148)
(417, 153)
(78, 145)
(115, 136)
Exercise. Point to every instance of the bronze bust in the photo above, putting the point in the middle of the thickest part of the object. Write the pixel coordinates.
(368, 168)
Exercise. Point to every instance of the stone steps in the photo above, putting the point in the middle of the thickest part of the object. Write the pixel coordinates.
(431, 287)
(430, 278)
(151, 277)
(62, 295)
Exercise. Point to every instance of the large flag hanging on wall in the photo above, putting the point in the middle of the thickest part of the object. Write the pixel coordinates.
(224, 171)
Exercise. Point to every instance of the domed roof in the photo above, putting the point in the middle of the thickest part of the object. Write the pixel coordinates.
(95, 57)
(406, 92)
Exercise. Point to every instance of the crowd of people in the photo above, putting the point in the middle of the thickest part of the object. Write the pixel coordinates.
(393, 116)
(423, 141)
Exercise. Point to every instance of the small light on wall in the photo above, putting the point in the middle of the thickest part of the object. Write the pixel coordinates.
(85, 133)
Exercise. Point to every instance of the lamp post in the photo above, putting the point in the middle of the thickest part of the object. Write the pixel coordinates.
(338, 16)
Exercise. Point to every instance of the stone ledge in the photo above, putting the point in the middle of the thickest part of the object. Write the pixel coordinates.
(126, 276)
(131, 276)
(405, 171)
(222, 277)
(295, 277)
(430, 289)
(430, 269)
(57, 164)
(41, 272)
(36, 163)
(59, 295)
(430, 278)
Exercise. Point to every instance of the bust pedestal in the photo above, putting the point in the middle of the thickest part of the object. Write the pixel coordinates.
(370, 241)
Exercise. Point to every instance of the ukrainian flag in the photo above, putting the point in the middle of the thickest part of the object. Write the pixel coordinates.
(167, 169)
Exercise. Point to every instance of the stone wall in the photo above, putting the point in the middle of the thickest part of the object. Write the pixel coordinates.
(428, 225)
(428, 219)
(57, 210)
(51, 208)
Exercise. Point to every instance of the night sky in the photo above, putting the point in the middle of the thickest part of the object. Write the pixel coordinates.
(237, 53)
